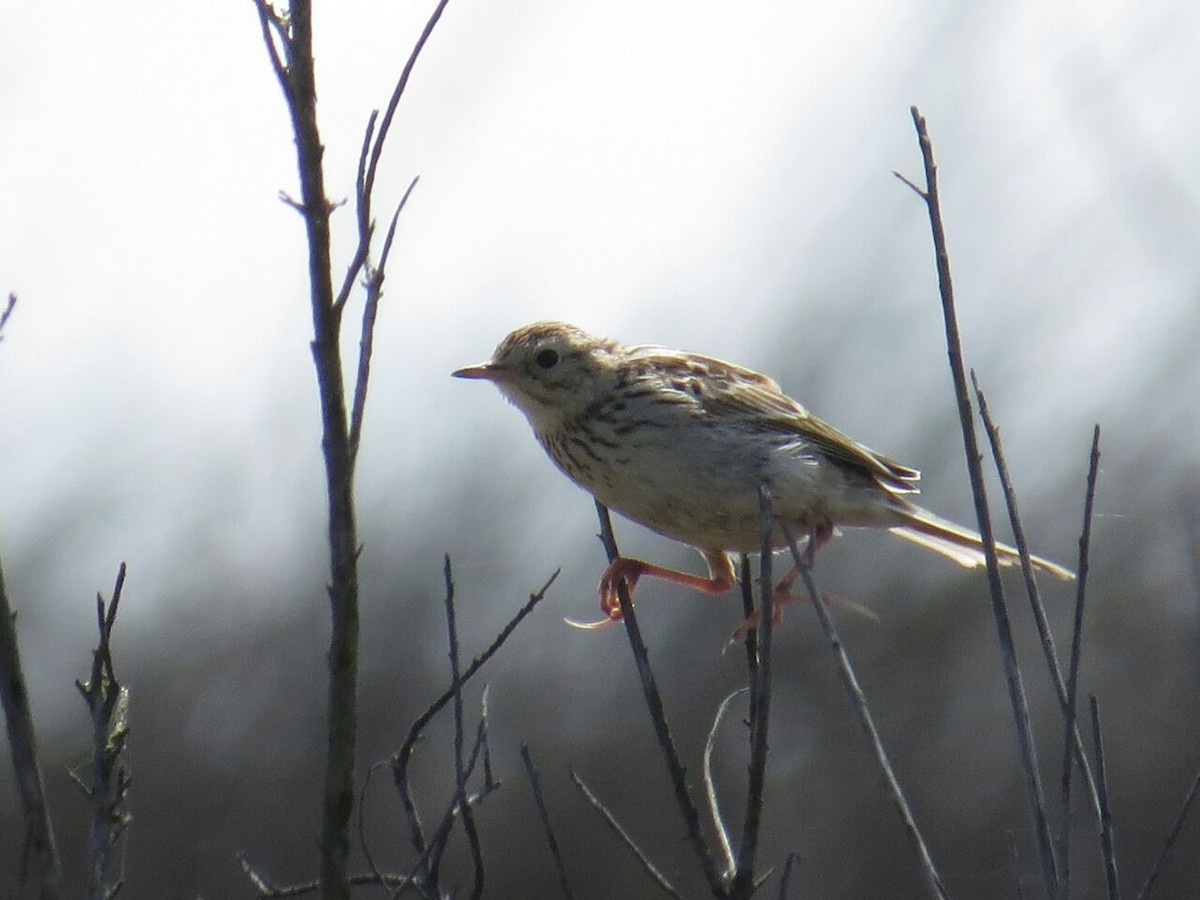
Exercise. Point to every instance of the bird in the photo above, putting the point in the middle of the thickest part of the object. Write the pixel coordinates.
(680, 443)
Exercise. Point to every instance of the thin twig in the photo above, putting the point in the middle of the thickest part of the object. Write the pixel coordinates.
(265, 888)
(366, 341)
(859, 701)
(1108, 851)
(362, 824)
(366, 227)
(611, 821)
(390, 236)
(788, 865)
(40, 857)
(290, 48)
(539, 799)
(385, 124)
(1169, 843)
(1016, 689)
(108, 704)
(746, 583)
(710, 787)
(431, 857)
(6, 312)
(400, 760)
(743, 882)
(273, 33)
(1073, 740)
(460, 774)
(1072, 737)
(658, 716)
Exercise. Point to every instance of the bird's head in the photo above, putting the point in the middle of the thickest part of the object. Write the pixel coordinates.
(551, 371)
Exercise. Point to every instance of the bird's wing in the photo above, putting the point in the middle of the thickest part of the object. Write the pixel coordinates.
(729, 391)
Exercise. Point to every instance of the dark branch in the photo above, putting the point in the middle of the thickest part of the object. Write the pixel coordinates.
(366, 341)
(658, 716)
(40, 858)
(7, 312)
(1169, 843)
(620, 832)
(468, 818)
(846, 671)
(1072, 737)
(760, 686)
(1016, 689)
(1107, 849)
(539, 799)
(401, 759)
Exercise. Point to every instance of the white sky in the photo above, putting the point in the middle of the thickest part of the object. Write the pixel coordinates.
(673, 173)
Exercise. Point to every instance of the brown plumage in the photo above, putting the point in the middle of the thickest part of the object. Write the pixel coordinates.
(681, 442)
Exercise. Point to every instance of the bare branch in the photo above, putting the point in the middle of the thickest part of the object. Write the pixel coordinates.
(385, 124)
(1016, 688)
(846, 671)
(611, 821)
(658, 716)
(401, 759)
(108, 703)
(274, 35)
(7, 312)
(1107, 850)
(460, 774)
(40, 859)
(788, 865)
(746, 582)
(743, 882)
(367, 339)
(710, 787)
(539, 799)
(366, 227)
(1072, 737)
(1169, 843)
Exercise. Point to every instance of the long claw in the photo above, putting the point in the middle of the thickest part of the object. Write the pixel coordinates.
(591, 626)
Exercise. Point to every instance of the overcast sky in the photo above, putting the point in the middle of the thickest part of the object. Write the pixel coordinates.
(704, 175)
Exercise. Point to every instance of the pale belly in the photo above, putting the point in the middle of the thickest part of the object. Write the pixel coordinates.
(705, 492)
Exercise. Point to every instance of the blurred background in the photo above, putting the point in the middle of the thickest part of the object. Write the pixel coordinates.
(706, 176)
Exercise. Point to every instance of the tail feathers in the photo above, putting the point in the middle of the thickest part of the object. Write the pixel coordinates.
(964, 546)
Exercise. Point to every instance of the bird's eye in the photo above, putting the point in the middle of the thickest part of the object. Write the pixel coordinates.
(546, 359)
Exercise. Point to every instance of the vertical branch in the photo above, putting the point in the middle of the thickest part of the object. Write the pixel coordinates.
(366, 340)
(658, 716)
(290, 47)
(1016, 688)
(1107, 851)
(41, 855)
(460, 771)
(859, 701)
(611, 821)
(7, 312)
(402, 759)
(1169, 842)
(539, 798)
(728, 862)
(288, 39)
(760, 689)
(108, 704)
(1072, 739)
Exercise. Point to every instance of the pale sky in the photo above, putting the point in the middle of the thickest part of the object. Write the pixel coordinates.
(699, 174)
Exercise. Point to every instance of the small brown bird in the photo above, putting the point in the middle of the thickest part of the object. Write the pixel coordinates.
(681, 442)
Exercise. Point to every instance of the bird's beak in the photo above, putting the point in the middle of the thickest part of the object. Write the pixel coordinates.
(486, 371)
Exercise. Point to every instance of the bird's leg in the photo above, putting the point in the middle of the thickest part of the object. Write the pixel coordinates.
(623, 570)
(820, 535)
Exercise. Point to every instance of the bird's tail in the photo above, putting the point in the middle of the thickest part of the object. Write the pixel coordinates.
(962, 545)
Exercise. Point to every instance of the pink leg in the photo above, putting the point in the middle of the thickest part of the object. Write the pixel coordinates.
(721, 578)
(819, 536)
